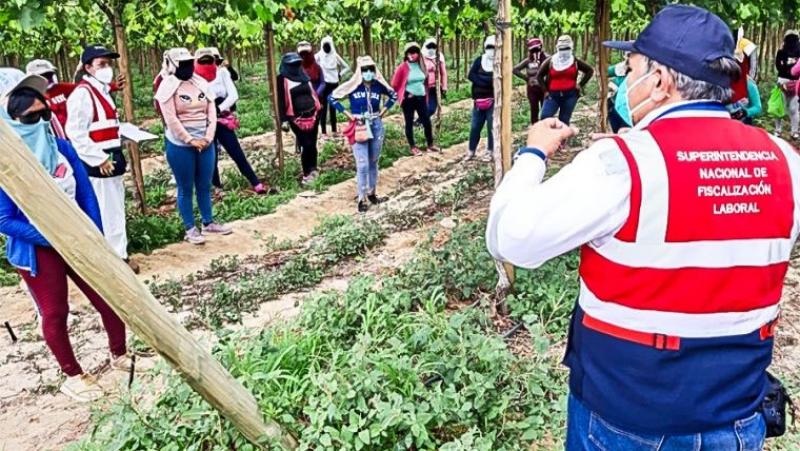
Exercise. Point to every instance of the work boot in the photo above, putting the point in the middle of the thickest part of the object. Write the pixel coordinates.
(82, 388)
(362, 206)
(375, 200)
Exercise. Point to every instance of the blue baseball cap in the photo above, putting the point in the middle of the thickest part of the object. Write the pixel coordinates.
(91, 52)
(686, 39)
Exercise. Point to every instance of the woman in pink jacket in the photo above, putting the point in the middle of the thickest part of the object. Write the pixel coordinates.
(410, 83)
(431, 54)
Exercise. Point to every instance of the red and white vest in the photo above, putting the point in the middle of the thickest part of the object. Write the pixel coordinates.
(704, 251)
(104, 129)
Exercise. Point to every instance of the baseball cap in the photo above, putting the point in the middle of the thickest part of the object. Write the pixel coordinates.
(178, 54)
(201, 52)
(686, 39)
(564, 42)
(91, 52)
(304, 46)
(534, 42)
(39, 67)
(292, 58)
(35, 82)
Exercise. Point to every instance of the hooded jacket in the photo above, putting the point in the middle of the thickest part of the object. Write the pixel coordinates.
(482, 79)
(330, 62)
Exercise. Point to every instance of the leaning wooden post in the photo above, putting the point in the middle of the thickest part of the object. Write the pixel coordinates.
(502, 128)
(82, 246)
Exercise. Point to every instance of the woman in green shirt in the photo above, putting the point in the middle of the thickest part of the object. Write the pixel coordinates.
(409, 82)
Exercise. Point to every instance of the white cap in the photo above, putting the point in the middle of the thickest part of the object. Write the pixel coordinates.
(35, 82)
(304, 46)
(9, 77)
(564, 42)
(206, 51)
(39, 67)
(178, 54)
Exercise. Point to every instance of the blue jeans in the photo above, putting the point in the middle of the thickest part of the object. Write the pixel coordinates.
(587, 431)
(479, 118)
(193, 171)
(561, 102)
(367, 155)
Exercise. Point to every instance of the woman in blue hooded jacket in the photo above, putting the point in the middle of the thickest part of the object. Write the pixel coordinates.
(45, 272)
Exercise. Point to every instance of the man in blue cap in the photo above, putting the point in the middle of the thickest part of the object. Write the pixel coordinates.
(92, 126)
(685, 226)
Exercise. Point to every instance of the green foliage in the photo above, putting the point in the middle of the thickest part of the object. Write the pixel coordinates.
(351, 372)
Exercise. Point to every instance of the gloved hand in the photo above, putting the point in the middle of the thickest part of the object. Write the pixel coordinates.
(444, 95)
(285, 126)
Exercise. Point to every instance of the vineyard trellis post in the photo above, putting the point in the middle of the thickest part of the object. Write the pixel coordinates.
(113, 12)
(81, 245)
(502, 129)
(602, 25)
(438, 80)
(269, 37)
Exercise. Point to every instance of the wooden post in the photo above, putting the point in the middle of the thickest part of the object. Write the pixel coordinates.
(502, 128)
(272, 81)
(438, 75)
(82, 246)
(127, 103)
(366, 34)
(458, 61)
(602, 27)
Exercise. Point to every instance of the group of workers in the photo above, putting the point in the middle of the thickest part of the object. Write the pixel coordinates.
(680, 282)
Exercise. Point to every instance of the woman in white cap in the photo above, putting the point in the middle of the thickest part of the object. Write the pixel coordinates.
(190, 119)
(410, 83)
(559, 76)
(364, 90)
(208, 65)
(333, 66)
(481, 74)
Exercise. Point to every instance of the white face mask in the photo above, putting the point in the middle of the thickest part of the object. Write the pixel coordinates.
(490, 53)
(430, 53)
(104, 75)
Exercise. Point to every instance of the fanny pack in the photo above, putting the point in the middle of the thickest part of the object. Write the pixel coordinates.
(305, 123)
(229, 121)
(773, 407)
(484, 104)
(362, 133)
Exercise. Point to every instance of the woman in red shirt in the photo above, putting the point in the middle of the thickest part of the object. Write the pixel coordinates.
(559, 76)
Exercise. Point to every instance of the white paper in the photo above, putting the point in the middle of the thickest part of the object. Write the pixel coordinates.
(133, 133)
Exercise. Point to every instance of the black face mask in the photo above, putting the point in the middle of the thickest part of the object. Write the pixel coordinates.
(185, 70)
(326, 47)
(36, 116)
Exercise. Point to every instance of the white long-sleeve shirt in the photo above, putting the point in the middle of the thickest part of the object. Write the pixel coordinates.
(223, 88)
(531, 222)
(80, 113)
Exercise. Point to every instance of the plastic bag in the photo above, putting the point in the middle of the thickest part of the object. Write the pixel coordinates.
(775, 106)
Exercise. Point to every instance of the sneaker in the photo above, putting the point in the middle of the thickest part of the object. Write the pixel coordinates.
(216, 229)
(261, 189)
(307, 179)
(123, 363)
(133, 265)
(194, 236)
(469, 156)
(795, 136)
(487, 157)
(362, 206)
(434, 149)
(415, 151)
(375, 200)
(82, 388)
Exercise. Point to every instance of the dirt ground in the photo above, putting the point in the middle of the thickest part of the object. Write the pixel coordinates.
(35, 416)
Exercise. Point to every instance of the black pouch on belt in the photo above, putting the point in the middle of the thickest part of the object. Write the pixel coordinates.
(773, 407)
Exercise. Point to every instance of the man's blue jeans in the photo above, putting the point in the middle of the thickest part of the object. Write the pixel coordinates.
(586, 431)
(561, 102)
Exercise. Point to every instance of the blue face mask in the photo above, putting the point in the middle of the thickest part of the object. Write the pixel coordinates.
(39, 139)
(622, 103)
(368, 76)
